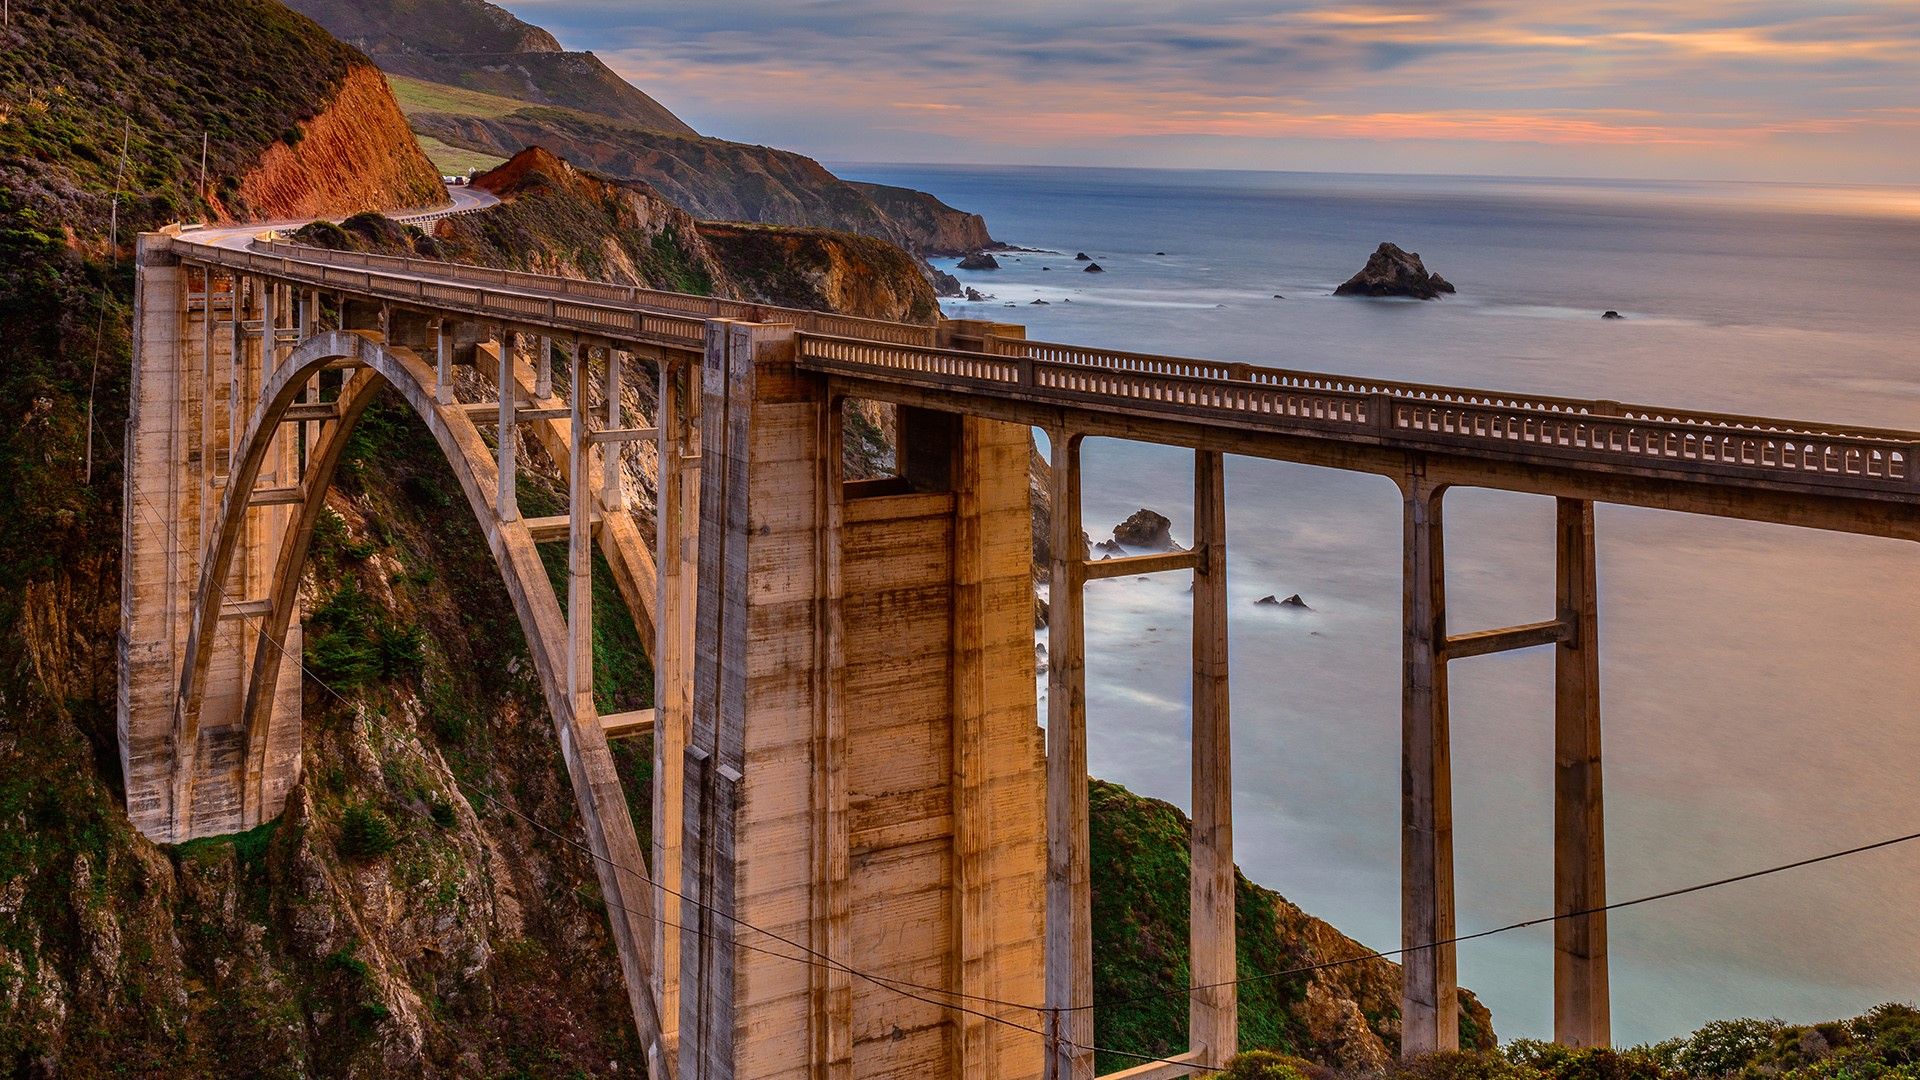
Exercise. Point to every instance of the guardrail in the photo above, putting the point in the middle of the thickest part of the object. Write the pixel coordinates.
(1695, 444)
(705, 307)
(1692, 443)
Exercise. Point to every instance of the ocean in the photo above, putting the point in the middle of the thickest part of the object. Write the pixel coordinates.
(1759, 683)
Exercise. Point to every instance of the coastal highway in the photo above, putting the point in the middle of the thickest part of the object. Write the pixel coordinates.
(460, 200)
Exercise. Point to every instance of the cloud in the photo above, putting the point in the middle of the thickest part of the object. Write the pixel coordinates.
(1725, 83)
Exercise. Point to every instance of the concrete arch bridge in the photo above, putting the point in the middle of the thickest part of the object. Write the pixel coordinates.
(848, 771)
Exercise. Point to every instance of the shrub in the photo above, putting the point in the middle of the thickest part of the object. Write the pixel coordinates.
(1462, 1065)
(365, 834)
(1726, 1047)
(351, 641)
(1265, 1065)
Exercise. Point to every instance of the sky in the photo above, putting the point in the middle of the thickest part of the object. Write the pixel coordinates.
(1712, 89)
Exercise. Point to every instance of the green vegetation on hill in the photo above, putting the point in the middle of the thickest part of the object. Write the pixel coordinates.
(79, 79)
(483, 47)
(1881, 1044)
(1345, 1016)
(455, 161)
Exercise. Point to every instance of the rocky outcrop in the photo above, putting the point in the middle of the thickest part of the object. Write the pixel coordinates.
(1345, 1015)
(1093, 268)
(709, 178)
(1391, 271)
(931, 226)
(355, 154)
(480, 46)
(979, 260)
(1145, 530)
(822, 269)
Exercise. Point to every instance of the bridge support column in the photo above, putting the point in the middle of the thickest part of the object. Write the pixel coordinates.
(1213, 1013)
(1580, 991)
(677, 524)
(863, 776)
(1429, 999)
(507, 501)
(1069, 888)
(192, 387)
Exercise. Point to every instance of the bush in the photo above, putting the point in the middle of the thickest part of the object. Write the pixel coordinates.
(1462, 1065)
(365, 834)
(1726, 1047)
(1265, 1065)
(351, 641)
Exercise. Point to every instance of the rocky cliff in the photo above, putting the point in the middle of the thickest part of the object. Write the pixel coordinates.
(480, 46)
(932, 227)
(356, 152)
(559, 219)
(709, 178)
(822, 269)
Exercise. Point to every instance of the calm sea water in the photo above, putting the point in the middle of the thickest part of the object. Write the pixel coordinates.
(1759, 682)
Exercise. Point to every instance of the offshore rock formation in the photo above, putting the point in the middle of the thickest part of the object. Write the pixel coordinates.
(978, 260)
(359, 143)
(1391, 271)
(1145, 530)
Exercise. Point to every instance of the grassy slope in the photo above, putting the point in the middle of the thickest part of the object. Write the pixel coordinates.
(483, 47)
(455, 161)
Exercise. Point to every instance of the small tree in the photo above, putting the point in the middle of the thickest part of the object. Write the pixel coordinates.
(365, 834)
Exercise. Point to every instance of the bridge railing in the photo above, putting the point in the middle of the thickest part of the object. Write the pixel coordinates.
(1696, 444)
(703, 307)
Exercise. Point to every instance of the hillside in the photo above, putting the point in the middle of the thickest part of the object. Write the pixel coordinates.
(1345, 1017)
(486, 83)
(480, 46)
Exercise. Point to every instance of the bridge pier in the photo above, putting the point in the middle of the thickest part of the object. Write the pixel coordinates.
(1429, 999)
(1580, 990)
(1213, 955)
(196, 380)
(863, 775)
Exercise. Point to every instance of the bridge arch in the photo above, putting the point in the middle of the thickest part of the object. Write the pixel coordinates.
(371, 364)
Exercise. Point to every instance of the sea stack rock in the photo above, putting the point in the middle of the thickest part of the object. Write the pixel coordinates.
(1081, 256)
(979, 260)
(1293, 601)
(1094, 268)
(1611, 315)
(1391, 271)
(1145, 531)
(976, 295)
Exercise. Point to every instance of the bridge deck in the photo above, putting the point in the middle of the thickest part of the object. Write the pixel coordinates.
(1605, 449)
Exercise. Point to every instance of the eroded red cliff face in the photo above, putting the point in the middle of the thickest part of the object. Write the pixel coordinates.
(355, 154)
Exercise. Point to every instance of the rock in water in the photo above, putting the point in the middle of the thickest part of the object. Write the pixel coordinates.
(979, 260)
(1094, 268)
(1081, 256)
(1393, 272)
(1612, 315)
(976, 295)
(1145, 530)
(1293, 601)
